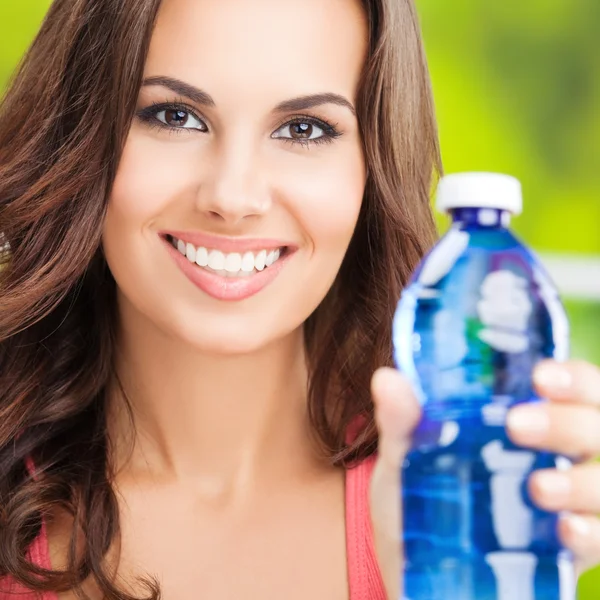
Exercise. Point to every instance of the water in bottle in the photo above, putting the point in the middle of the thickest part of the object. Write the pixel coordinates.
(478, 315)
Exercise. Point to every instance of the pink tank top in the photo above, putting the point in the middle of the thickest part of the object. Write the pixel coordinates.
(363, 571)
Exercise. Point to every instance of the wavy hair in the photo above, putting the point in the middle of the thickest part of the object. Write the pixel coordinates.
(63, 126)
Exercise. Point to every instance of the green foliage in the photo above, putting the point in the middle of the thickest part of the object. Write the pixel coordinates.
(517, 86)
(19, 22)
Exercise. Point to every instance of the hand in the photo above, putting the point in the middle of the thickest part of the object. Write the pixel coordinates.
(568, 424)
(397, 413)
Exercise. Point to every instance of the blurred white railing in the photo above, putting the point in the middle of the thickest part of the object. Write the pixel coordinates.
(576, 276)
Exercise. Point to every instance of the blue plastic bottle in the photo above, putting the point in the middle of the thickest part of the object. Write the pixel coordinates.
(479, 313)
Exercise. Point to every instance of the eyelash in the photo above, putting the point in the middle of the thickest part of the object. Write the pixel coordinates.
(148, 116)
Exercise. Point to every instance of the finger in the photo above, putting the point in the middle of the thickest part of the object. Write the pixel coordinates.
(396, 413)
(576, 489)
(581, 534)
(572, 430)
(573, 381)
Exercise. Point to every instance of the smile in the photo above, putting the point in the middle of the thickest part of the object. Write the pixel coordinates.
(234, 264)
(233, 270)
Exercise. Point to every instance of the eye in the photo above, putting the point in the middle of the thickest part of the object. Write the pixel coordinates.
(300, 131)
(172, 117)
(179, 118)
(306, 131)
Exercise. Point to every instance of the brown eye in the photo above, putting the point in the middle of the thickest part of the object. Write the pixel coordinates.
(179, 118)
(176, 118)
(304, 131)
(301, 130)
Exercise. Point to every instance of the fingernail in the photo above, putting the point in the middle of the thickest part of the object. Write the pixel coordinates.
(578, 525)
(530, 420)
(554, 486)
(553, 376)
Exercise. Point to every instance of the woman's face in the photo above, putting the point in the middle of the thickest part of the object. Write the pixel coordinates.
(243, 174)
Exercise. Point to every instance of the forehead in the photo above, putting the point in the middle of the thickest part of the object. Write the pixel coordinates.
(254, 48)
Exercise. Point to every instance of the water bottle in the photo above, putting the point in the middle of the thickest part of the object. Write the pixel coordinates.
(478, 314)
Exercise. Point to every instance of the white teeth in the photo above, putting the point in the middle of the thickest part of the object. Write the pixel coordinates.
(260, 260)
(202, 257)
(216, 260)
(190, 252)
(227, 265)
(248, 262)
(233, 262)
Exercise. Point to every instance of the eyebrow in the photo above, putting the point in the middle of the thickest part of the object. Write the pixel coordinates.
(304, 102)
(182, 88)
(200, 97)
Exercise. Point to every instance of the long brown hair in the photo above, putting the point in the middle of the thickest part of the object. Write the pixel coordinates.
(63, 125)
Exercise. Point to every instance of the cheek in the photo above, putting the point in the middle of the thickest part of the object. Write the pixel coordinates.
(143, 190)
(324, 198)
(145, 183)
(327, 202)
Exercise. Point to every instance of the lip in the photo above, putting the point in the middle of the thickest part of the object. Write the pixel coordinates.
(225, 244)
(227, 288)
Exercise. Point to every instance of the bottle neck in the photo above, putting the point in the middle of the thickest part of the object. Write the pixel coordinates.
(481, 218)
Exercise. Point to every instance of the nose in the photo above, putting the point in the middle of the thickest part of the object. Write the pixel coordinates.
(235, 187)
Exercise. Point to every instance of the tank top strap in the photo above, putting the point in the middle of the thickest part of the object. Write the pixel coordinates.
(364, 576)
(39, 555)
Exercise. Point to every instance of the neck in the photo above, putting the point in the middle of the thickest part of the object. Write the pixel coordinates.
(222, 420)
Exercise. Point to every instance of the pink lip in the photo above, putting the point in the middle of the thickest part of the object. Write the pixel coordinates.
(226, 245)
(227, 288)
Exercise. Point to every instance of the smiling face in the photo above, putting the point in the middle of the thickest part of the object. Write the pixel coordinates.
(243, 173)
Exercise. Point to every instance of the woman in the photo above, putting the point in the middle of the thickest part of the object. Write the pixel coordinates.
(211, 207)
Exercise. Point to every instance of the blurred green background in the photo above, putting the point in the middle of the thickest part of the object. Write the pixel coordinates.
(517, 87)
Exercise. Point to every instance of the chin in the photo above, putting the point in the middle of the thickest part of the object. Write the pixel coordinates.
(226, 331)
(229, 346)
(228, 337)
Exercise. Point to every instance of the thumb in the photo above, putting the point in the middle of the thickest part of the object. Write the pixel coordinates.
(396, 413)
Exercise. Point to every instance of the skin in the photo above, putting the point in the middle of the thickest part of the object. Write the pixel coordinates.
(221, 489)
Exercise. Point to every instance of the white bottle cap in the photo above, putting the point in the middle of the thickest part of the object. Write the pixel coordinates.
(479, 190)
